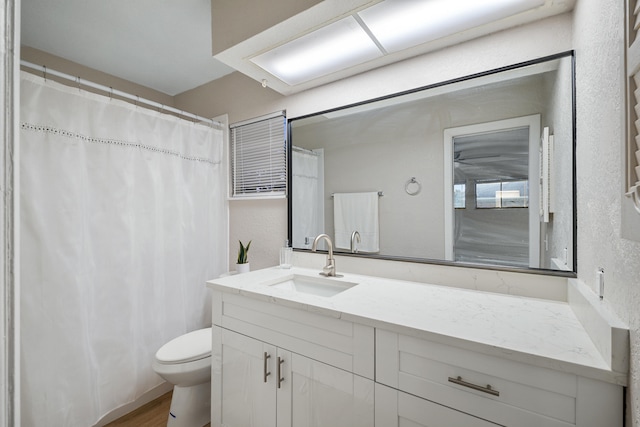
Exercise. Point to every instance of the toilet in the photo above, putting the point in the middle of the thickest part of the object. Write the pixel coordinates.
(185, 362)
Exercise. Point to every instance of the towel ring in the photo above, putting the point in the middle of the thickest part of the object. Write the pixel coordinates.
(413, 187)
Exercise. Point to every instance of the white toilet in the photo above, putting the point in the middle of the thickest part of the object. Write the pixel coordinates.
(185, 362)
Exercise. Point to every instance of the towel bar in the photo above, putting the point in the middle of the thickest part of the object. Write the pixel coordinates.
(380, 193)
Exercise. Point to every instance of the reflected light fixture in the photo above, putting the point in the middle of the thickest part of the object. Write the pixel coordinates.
(386, 27)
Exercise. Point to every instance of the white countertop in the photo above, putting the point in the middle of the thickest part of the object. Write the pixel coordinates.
(539, 332)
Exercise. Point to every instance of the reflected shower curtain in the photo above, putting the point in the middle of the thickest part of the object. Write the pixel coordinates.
(123, 219)
(307, 196)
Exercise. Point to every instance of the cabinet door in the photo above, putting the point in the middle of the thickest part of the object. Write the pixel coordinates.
(325, 396)
(243, 382)
(397, 409)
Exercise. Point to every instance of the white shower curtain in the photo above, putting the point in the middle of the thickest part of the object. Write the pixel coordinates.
(307, 196)
(123, 219)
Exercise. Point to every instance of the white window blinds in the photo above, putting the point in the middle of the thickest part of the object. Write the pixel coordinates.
(258, 156)
(630, 205)
(632, 152)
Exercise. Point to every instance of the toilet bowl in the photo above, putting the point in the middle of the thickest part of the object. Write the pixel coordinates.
(185, 362)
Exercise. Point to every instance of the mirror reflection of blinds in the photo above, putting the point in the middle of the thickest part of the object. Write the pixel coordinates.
(258, 156)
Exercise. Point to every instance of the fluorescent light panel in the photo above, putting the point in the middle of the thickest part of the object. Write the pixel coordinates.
(401, 24)
(395, 24)
(335, 47)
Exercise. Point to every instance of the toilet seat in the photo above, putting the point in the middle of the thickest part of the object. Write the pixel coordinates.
(189, 347)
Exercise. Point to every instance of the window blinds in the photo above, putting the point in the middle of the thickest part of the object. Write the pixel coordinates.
(632, 152)
(258, 156)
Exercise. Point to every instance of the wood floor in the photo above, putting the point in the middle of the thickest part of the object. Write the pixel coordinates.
(153, 414)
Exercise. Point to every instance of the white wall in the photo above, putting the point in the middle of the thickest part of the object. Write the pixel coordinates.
(598, 41)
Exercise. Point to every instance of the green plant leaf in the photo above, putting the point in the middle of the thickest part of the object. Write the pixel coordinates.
(243, 252)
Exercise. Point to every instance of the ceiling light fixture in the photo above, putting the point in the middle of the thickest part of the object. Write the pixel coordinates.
(401, 24)
(332, 48)
(387, 27)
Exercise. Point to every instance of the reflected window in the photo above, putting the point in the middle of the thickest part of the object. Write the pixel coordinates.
(502, 194)
(459, 194)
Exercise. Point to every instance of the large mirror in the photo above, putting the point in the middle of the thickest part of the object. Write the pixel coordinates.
(477, 171)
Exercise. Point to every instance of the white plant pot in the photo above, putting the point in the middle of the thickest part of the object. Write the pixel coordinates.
(243, 268)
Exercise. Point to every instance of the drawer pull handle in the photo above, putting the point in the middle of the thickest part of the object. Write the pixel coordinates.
(280, 379)
(264, 369)
(463, 383)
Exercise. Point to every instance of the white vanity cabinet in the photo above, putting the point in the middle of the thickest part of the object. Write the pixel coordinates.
(374, 356)
(425, 378)
(278, 366)
(247, 380)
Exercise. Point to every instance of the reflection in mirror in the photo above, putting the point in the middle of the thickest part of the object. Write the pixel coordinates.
(477, 171)
(492, 163)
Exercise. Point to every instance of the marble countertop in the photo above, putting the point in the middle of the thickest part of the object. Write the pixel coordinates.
(535, 331)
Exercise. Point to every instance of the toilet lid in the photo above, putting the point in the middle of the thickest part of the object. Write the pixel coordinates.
(186, 348)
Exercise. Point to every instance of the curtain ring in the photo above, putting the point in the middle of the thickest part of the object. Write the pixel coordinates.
(44, 72)
(110, 93)
(78, 81)
(413, 187)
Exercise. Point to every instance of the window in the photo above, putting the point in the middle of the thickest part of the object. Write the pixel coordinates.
(502, 194)
(258, 156)
(459, 194)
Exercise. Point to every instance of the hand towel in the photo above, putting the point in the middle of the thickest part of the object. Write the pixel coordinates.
(356, 212)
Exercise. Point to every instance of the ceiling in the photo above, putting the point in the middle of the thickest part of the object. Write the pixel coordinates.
(163, 45)
(249, 56)
(166, 45)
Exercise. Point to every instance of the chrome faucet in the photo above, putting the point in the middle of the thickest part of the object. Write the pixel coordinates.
(328, 270)
(355, 236)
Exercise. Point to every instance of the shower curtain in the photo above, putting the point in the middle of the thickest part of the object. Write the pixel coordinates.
(123, 219)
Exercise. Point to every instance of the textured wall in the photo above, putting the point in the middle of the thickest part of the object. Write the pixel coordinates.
(262, 222)
(598, 41)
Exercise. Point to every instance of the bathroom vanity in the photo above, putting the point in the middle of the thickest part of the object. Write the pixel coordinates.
(293, 348)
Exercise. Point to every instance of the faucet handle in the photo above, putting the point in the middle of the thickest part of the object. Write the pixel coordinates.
(329, 270)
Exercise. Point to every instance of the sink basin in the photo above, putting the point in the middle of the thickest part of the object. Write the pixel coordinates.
(320, 286)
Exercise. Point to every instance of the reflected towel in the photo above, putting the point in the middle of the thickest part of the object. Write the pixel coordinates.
(356, 212)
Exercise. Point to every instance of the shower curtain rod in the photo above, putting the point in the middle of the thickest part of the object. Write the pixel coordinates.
(116, 92)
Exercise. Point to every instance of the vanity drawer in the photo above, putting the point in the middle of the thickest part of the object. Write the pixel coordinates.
(336, 342)
(499, 390)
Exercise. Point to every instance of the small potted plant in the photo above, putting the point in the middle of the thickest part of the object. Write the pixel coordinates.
(242, 265)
